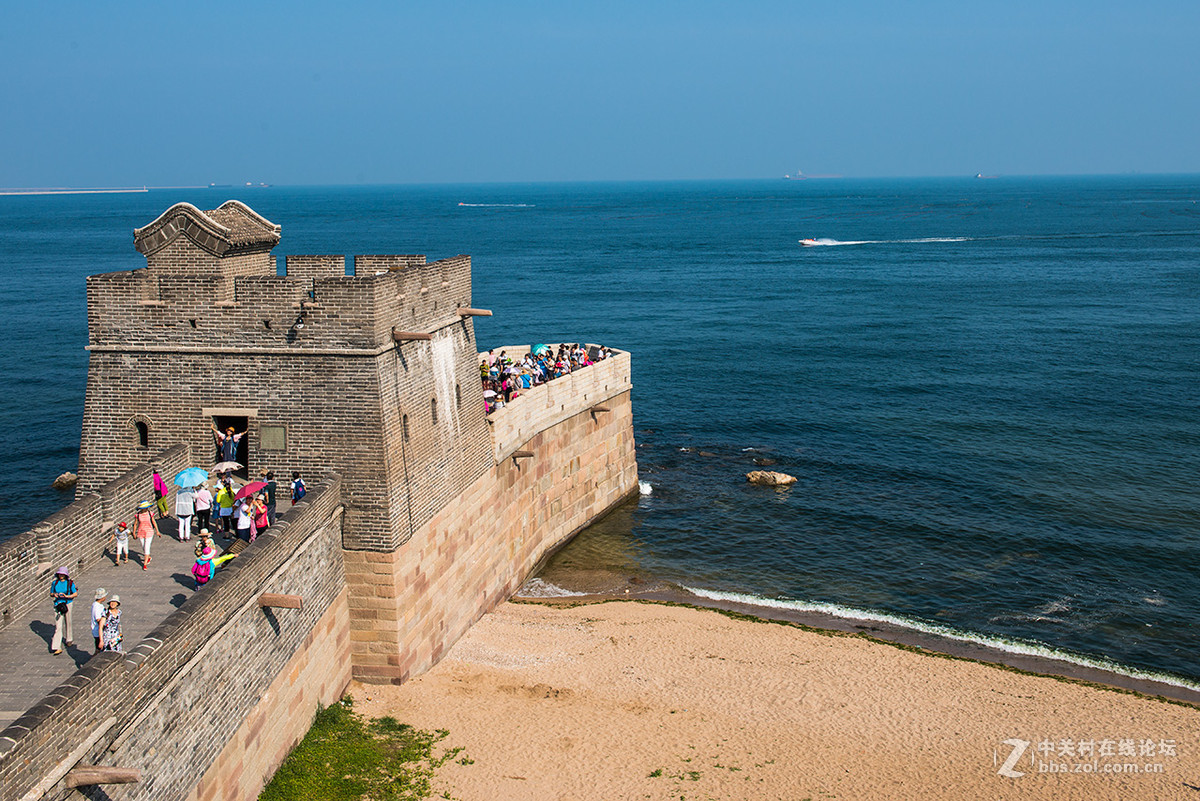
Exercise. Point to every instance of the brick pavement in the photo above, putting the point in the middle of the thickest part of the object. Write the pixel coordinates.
(28, 671)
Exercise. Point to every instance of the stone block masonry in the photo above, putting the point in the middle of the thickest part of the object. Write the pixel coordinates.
(172, 704)
(422, 512)
(408, 607)
(75, 535)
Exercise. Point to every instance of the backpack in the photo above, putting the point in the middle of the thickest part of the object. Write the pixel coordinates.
(298, 490)
(201, 571)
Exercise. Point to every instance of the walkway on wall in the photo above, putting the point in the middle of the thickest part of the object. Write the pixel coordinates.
(29, 672)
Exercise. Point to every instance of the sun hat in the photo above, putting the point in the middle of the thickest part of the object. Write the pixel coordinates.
(122, 524)
(205, 532)
(62, 571)
(145, 504)
(101, 593)
(116, 599)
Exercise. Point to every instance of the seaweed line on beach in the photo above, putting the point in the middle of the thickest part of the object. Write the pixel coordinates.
(735, 615)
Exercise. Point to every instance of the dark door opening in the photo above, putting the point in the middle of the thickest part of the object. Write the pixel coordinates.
(241, 453)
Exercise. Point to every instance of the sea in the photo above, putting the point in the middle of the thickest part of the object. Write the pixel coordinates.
(987, 390)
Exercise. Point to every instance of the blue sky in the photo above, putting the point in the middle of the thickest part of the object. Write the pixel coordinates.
(118, 94)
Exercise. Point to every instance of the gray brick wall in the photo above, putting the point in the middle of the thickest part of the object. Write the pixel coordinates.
(75, 535)
(193, 332)
(179, 694)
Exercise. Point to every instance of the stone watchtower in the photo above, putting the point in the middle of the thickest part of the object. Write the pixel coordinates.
(373, 375)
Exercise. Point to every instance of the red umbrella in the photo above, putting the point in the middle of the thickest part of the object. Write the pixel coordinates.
(249, 489)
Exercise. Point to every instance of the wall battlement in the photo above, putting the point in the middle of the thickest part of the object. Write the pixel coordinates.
(212, 311)
(419, 520)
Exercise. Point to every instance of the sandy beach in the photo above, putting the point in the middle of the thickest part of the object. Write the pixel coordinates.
(624, 700)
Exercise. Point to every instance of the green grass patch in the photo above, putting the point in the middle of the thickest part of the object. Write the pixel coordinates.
(346, 758)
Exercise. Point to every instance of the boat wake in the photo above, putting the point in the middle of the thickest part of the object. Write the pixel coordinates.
(498, 205)
(1010, 645)
(810, 243)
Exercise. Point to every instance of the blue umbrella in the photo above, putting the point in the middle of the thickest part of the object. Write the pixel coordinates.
(192, 477)
(538, 350)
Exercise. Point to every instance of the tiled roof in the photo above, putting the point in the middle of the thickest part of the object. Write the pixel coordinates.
(232, 226)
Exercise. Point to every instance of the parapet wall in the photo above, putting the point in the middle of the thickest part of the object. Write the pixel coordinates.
(75, 535)
(544, 406)
(408, 607)
(144, 309)
(209, 704)
(171, 705)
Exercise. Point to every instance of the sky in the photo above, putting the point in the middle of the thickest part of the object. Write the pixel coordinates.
(175, 94)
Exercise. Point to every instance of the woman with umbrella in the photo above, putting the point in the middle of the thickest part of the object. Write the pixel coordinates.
(186, 501)
(245, 511)
(145, 529)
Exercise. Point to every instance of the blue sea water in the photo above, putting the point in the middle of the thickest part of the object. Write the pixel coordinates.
(989, 390)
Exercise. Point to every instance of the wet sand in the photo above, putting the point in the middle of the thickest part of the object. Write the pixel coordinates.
(638, 700)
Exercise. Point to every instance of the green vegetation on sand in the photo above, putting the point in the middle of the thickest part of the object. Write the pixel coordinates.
(346, 758)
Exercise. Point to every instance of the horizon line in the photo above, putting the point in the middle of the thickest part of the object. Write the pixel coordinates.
(64, 190)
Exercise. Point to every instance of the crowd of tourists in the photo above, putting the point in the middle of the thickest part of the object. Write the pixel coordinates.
(505, 378)
(201, 509)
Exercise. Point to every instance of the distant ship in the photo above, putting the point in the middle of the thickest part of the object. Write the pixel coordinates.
(808, 243)
(800, 176)
(981, 175)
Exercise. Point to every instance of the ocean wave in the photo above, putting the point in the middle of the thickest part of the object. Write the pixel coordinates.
(1012, 646)
(539, 588)
(644, 488)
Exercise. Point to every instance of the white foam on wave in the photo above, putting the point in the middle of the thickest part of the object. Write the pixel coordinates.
(644, 487)
(540, 588)
(1022, 647)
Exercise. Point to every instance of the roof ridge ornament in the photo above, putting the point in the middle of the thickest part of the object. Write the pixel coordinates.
(207, 232)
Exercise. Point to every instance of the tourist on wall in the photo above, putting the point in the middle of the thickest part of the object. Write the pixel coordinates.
(145, 530)
(160, 494)
(203, 502)
(206, 541)
(271, 490)
(298, 488)
(207, 563)
(120, 536)
(185, 509)
(110, 626)
(98, 610)
(227, 443)
(62, 595)
(225, 507)
(261, 519)
(245, 520)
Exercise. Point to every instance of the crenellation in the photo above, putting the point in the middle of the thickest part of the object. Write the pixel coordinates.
(417, 522)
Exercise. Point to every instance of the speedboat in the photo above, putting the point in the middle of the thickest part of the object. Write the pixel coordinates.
(808, 243)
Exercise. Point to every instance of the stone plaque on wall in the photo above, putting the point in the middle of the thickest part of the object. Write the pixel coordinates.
(273, 438)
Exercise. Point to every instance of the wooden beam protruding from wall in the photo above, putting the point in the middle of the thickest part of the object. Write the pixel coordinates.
(274, 600)
(101, 774)
(522, 454)
(466, 311)
(409, 336)
(599, 408)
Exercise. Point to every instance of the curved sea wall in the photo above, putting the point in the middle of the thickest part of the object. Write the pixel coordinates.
(560, 463)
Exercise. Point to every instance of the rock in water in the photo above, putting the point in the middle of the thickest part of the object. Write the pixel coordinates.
(65, 481)
(769, 478)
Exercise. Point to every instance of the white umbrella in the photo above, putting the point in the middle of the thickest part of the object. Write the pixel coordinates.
(487, 393)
